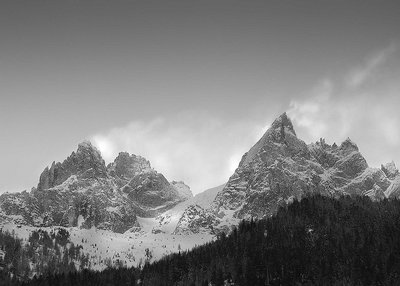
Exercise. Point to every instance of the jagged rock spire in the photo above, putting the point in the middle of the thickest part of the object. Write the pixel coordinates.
(349, 145)
(284, 123)
(281, 131)
(86, 161)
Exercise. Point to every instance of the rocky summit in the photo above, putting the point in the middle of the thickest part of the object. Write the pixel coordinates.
(85, 163)
(281, 167)
(82, 191)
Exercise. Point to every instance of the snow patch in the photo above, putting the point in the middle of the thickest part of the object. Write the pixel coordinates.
(81, 220)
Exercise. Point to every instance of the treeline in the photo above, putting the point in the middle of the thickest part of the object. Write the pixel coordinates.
(43, 252)
(317, 241)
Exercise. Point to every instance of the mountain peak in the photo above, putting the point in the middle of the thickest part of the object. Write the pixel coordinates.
(281, 132)
(87, 152)
(349, 145)
(127, 166)
(86, 162)
(283, 122)
(87, 145)
(390, 170)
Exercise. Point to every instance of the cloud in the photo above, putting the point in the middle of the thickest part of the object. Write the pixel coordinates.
(195, 147)
(358, 76)
(336, 109)
(307, 114)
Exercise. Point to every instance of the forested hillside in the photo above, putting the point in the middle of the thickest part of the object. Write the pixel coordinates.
(43, 252)
(317, 241)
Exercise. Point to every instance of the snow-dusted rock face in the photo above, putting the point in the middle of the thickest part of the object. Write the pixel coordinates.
(151, 193)
(83, 191)
(183, 189)
(390, 170)
(86, 162)
(174, 221)
(276, 168)
(393, 191)
(126, 166)
(195, 220)
(280, 167)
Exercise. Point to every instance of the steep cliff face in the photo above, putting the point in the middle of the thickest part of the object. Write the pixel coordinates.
(82, 191)
(151, 193)
(390, 170)
(126, 166)
(393, 191)
(275, 168)
(183, 189)
(196, 219)
(281, 167)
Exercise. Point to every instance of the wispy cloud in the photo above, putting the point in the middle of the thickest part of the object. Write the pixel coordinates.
(359, 75)
(337, 109)
(201, 149)
(308, 112)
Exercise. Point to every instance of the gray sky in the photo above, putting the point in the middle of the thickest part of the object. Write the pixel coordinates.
(191, 85)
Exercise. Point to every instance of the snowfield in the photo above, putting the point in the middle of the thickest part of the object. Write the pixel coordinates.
(106, 248)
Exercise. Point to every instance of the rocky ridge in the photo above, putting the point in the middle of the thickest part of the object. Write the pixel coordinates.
(281, 167)
(82, 191)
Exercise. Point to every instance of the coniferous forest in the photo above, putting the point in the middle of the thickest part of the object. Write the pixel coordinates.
(315, 241)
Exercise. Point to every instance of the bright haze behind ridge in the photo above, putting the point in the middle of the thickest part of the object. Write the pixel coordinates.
(192, 85)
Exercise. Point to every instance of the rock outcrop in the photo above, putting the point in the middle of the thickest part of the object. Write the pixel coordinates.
(126, 166)
(183, 189)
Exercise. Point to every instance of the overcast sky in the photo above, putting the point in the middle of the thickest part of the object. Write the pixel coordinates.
(192, 85)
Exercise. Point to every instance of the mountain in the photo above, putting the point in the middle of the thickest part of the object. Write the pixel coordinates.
(281, 167)
(82, 191)
(127, 210)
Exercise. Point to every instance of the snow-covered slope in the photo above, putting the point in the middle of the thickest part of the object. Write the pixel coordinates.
(157, 234)
(106, 248)
(169, 221)
(115, 213)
